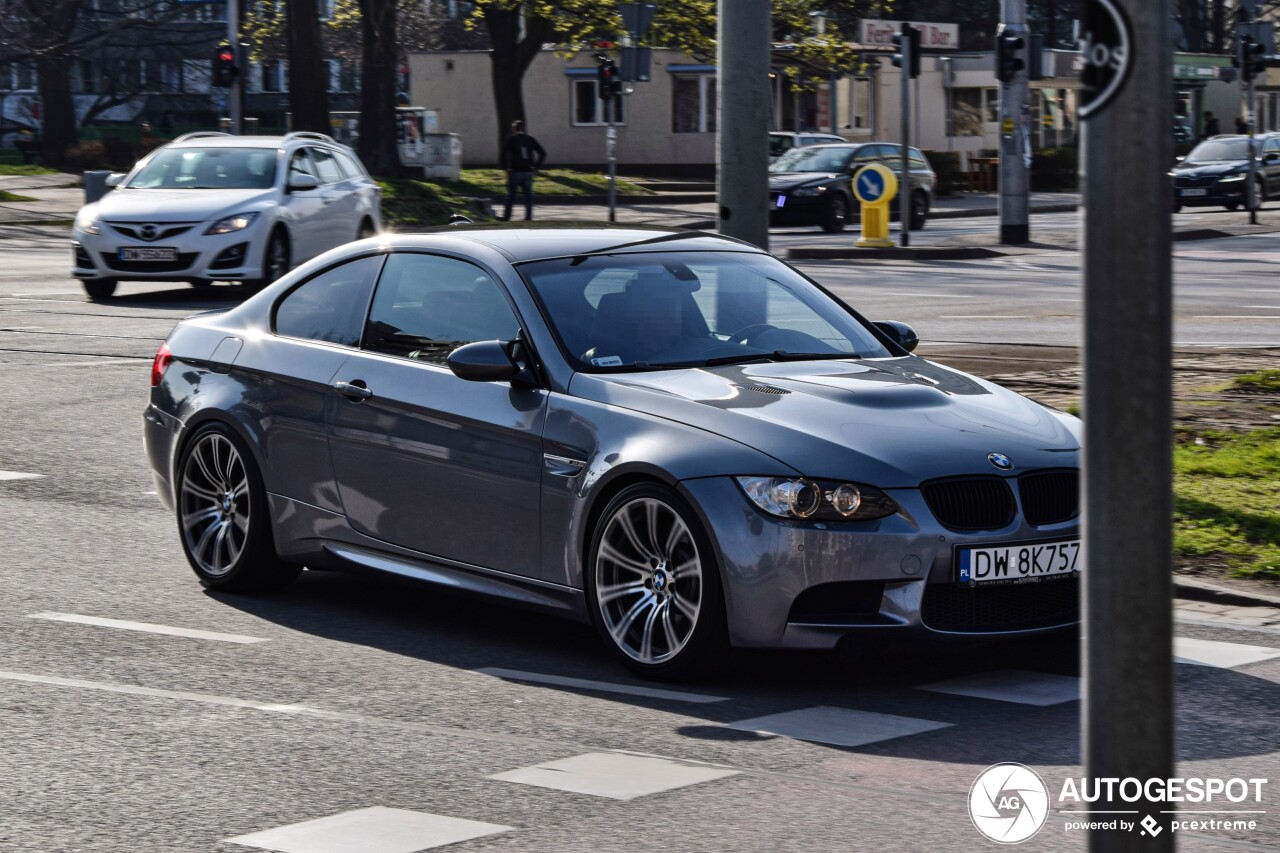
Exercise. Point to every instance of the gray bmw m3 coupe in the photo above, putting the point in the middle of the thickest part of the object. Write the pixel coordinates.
(672, 435)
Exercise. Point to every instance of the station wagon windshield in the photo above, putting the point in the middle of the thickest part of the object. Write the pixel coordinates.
(691, 309)
(208, 169)
(1217, 150)
(813, 159)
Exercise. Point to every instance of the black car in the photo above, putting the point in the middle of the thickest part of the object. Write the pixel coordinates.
(1216, 172)
(812, 185)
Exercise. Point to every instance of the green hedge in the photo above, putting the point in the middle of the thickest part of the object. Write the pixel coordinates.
(947, 166)
(1055, 169)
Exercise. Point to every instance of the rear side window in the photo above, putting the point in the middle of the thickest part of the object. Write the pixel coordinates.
(331, 306)
(326, 167)
(427, 306)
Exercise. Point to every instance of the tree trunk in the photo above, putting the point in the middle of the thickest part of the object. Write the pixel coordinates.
(378, 88)
(511, 57)
(59, 116)
(308, 74)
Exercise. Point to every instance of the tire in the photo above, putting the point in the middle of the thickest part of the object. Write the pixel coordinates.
(653, 586)
(202, 283)
(100, 288)
(223, 523)
(919, 211)
(1258, 197)
(1232, 205)
(836, 214)
(366, 230)
(275, 259)
(1177, 208)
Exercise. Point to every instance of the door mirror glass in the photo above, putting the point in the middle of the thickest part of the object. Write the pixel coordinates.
(900, 333)
(483, 361)
(301, 181)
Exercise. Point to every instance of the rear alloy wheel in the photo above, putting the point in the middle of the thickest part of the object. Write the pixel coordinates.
(100, 288)
(836, 214)
(919, 211)
(222, 516)
(653, 585)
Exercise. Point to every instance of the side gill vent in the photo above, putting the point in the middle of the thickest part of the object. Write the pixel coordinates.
(765, 389)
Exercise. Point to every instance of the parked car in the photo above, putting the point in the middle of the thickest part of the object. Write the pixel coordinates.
(814, 185)
(780, 141)
(672, 435)
(212, 206)
(1216, 172)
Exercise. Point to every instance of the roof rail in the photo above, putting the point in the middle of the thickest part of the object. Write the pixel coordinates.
(200, 134)
(310, 134)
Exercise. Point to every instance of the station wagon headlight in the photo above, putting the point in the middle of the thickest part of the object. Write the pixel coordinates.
(818, 500)
(88, 225)
(239, 222)
(809, 191)
(1239, 177)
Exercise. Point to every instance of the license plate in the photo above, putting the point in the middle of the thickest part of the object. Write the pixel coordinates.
(148, 253)
(1023, 563)
(1193, 192)
(780, 202)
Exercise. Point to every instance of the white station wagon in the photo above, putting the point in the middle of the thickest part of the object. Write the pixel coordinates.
(215, 207)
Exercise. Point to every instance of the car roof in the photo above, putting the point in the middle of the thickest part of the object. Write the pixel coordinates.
(222, 140)
(537, 242)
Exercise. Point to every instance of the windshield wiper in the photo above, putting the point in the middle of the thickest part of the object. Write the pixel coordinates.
(783, 355)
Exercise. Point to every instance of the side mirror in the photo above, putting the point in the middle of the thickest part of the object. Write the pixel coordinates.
(900, 333)
(1271, 156)
(483, 361)
(115, 179)
(303, 181)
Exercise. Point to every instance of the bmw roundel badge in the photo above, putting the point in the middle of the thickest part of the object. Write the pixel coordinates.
(1004, 463)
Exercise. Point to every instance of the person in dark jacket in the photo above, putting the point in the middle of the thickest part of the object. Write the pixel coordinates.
(521, 157)
(1212, 127)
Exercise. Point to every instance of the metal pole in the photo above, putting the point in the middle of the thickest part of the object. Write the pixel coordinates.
(235, 94)
(1015, 223)
(742, 56)
(1128, 726)
(1253, 198)
(904, 184)
(611, 136)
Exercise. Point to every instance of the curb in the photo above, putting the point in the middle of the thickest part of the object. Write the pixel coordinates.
(962, 213)
(1198, 590)
(597, 200)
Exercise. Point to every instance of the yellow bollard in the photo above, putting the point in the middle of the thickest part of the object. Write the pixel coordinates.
(875, 186)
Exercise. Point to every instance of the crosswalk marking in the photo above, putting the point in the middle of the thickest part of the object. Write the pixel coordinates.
(602, 686)
(1012, 685)
(146, 627)
(837, 726)
(1222, 655)
(369, 830)
(613, 775)
(19, 475)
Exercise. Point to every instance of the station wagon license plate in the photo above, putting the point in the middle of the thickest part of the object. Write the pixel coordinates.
(1192, 192)
(1023, 563)
(148, 253)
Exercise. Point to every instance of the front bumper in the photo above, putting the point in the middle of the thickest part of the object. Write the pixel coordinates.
(796, 210)
(1215, 194)
(199, 257)
(809, 584)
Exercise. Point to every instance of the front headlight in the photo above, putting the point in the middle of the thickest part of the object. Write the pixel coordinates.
(1228, 178)
(809, 191)
(239, 222)
(88, 225)
(819, 500)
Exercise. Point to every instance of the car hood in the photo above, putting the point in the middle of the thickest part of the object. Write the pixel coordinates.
(791, 180)
(1208, 169)
(890, 423)
(134, 205)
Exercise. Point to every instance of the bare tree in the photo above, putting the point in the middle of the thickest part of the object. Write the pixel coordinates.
(308, 74)
(378, 87)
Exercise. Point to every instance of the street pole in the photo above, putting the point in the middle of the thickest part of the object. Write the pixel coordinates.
(611, 136)
(1128, 697)
(904, 182)
(235, 94)
(742, 178)
(1252, 198)
(1015, 223)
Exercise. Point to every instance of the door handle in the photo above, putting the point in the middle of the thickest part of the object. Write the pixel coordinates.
(355, 390)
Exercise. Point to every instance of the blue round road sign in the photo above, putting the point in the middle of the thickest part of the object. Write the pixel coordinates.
(870, 185)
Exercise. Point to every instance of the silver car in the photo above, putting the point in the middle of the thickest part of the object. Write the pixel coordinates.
(672, 435)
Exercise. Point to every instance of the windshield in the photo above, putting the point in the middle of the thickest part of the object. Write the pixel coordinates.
(1215, 150)
(778, 144)
(208, 169)
(813, 159)
(691, 309)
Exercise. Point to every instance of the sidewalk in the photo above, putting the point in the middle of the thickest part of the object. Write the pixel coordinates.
(56, 199)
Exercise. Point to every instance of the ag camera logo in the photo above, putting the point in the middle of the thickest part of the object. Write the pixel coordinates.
(1008, 803)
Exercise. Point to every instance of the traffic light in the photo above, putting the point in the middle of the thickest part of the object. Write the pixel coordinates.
(225, 70)
(1253, 57)
(609, 79)
(1008, 62)
(912, 34)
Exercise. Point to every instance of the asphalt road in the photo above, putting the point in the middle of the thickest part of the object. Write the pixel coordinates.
(345, 694)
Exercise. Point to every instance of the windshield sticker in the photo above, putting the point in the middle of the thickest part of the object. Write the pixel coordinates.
(607, 361)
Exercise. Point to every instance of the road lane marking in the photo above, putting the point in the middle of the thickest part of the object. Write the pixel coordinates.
(135, 361)
(371, 830)
(600, 686)
(837, 726)
(613, 775)
(1012, 685)
(1218, 654)
(146, 627)
(18, 475)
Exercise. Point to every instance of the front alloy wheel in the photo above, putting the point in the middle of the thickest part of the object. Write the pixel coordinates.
(836, 215)
(654, 586)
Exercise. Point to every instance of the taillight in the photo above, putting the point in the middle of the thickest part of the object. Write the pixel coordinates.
(163, 359)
